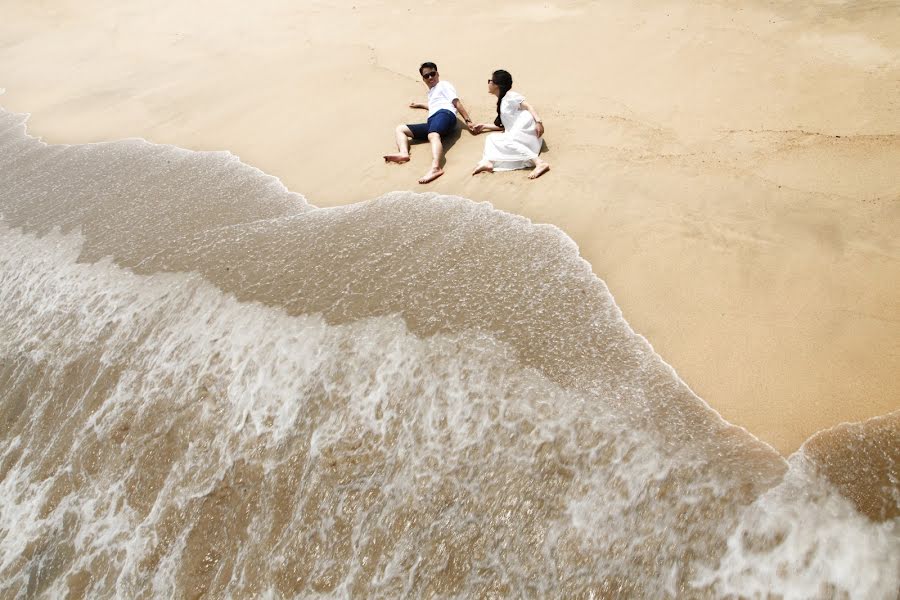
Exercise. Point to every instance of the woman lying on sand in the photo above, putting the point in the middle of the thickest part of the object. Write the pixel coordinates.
(520, 143)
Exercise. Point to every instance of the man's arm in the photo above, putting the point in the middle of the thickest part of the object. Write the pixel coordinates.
(458, 105)
(415, 104)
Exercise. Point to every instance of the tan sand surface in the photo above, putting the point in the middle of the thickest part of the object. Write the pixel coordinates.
(731, 170)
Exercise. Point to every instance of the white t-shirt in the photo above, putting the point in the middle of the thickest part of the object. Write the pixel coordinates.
(441, 96)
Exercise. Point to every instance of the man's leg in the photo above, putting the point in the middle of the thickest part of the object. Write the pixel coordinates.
(437, 153)
(402, 134)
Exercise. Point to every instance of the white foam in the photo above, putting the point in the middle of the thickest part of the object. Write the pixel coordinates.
(422, 447)
(803, 539)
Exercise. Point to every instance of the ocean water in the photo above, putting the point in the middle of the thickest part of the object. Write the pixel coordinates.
(211, 388)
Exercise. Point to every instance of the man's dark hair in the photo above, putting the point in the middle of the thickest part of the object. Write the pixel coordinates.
(430, 65)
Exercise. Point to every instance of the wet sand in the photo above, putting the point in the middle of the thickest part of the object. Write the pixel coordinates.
(730, 173)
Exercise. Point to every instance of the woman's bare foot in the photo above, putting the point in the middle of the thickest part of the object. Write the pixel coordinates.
(431, 175)
(483, 167)
(539, 170)
(396, 158)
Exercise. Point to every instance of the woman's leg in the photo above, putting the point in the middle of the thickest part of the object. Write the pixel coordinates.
(490, 149)
(485, 166)
(540, 167)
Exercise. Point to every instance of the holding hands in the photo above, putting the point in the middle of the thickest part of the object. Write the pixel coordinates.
(517, 147)
(482, 127)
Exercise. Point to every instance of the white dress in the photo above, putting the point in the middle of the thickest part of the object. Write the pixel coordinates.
(518, 145)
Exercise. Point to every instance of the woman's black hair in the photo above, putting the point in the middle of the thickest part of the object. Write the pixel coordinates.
(503, 80)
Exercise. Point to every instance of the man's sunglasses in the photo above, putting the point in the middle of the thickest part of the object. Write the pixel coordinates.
(429, 75)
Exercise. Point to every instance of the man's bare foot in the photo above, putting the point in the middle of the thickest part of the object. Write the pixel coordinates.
(539, 170)
(431, 175)
(396, 158)
(483, 167)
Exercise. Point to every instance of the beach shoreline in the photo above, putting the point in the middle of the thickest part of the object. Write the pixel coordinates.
(740, 204)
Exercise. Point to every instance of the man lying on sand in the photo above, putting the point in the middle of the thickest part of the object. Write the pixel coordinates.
(443, 103)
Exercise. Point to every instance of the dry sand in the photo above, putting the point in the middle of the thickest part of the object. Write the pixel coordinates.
(731, 173)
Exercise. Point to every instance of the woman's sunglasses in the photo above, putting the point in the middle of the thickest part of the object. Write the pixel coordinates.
(429, 75)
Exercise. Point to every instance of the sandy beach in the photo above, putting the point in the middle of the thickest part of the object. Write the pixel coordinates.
(730, 173)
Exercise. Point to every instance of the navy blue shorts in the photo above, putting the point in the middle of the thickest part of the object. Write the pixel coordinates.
(442, 122)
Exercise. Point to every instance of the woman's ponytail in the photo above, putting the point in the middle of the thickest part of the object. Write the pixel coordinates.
(503, 80)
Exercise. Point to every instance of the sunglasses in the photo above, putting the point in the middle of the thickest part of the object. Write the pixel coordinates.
(490, 81)
(429, 75)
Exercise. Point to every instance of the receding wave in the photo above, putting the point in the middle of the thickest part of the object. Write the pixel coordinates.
(208, 386)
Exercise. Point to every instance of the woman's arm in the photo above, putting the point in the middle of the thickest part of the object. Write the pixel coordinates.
(538, 124)
(482, 127)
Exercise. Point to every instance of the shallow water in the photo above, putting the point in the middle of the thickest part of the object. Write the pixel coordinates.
(210, 386)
